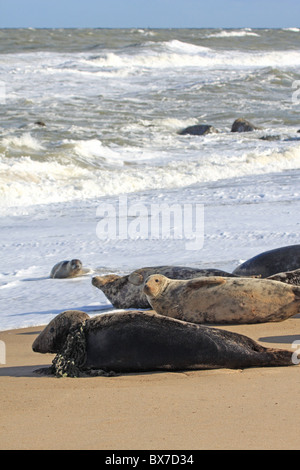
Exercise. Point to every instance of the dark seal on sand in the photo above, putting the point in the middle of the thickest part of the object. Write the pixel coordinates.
(144, 341)
(271, 262)
(290, 277)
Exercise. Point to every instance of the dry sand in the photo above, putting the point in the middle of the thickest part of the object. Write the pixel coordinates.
(255, 408)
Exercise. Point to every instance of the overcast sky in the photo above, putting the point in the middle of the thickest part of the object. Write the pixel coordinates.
(150, 13)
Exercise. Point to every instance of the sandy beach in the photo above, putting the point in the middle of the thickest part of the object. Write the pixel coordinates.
(255, 408)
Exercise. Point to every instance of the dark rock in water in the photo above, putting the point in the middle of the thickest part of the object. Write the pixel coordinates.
(198, 129)
(270, 137)
(298, 130)
(241, 125)
(40, 123)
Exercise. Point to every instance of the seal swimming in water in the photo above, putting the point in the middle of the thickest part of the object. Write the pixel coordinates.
(242, 125)
(286, 258)
(65, 269)
(139, 341)
(127, 291)
(223, 300)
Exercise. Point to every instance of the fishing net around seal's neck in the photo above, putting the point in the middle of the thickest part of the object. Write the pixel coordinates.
(71, 360)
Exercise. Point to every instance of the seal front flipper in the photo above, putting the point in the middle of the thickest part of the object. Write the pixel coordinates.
(207, 281)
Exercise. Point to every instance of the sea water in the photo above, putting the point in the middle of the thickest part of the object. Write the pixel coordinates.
(91, 118)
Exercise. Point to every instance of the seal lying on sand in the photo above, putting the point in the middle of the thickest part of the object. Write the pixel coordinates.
(138, 276)
(144, 341)
(290, 277)
(65, 269)
(223, 300)
(127, 291)
(120, 292)
(271, 262)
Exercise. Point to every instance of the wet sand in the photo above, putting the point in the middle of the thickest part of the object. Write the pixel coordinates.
(256, 408)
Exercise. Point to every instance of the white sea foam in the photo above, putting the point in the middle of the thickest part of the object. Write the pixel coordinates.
(24, 142)
(25, 182)
(178, 54)
(232, 34)
(293, 30)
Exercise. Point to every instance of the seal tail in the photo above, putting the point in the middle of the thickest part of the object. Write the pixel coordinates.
(277, 357)
(289, 310)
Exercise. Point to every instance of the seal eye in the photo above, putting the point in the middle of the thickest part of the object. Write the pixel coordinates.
(156, 280)
(52, 330)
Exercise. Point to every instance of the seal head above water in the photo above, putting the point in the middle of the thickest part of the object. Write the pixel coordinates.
(136, 341)
(65, 269)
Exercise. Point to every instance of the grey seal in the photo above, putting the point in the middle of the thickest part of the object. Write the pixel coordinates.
(64, 269)
(242, 125)
(127, 291)
(137, 341)
(268, 263)
(138, 276)
(289, 277)
(120, 292)
(223, 300)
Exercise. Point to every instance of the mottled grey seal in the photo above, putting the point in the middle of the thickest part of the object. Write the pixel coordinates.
(65, 269)
(136, 341)
(138, 276)
(127, 291)
(286, 258)
(120, 292)
(223, 300)
(290, 277)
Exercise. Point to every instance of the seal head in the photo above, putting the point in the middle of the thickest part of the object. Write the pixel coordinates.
(155, 285)
(66, 269)
(53, 337)
(120, 292)
(101, 281)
